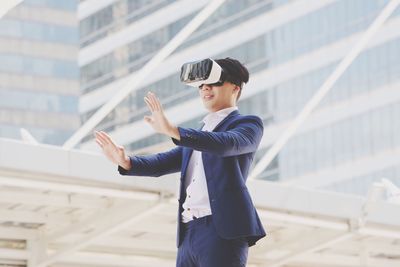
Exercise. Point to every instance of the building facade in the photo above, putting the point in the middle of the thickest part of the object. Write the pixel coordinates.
(39, 74)
(290, 48)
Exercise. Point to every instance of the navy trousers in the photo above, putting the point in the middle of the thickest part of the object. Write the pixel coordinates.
(203, 247)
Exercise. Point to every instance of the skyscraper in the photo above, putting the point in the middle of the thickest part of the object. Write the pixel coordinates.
(39, 74)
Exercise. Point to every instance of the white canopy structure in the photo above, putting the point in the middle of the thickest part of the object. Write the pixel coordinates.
(7, 5)
(71, 208)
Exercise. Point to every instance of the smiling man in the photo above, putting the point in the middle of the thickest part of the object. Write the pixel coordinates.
(217, 220)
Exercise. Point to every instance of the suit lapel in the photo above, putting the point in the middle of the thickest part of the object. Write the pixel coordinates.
(230, 115)
(187, 152)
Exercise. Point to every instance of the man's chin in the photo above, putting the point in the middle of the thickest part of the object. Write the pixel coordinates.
(208, 105)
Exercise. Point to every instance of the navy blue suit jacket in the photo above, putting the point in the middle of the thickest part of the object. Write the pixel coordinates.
(227, 154)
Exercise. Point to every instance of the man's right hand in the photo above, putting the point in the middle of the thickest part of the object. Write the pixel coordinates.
(113, 152)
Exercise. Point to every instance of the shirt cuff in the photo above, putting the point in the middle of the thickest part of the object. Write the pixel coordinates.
(176, 141)
(123, 171)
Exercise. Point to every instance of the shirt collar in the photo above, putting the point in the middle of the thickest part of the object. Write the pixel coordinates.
(220, 114)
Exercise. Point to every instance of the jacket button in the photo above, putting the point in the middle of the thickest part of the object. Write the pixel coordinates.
(212, 200)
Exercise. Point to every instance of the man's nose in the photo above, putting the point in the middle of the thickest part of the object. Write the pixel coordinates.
(206, 87)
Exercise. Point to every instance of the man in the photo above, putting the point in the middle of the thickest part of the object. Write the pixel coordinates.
(217, 221)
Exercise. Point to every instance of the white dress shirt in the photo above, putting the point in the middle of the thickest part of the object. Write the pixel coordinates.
(197, 202)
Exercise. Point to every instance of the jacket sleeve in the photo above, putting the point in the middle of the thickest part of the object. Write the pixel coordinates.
(155, 165)
(243, 138)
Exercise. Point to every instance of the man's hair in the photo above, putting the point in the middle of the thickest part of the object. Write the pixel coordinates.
(236, 70)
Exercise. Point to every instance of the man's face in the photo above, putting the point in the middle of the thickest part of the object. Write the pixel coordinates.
(218, 97)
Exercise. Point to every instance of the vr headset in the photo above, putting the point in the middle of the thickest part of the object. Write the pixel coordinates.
(206, 71)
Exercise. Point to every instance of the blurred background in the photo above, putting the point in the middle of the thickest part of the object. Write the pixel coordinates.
(329, 197)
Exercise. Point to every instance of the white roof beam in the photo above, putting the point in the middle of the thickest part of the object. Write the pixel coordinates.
(338, 260)
(312, 248)
(17, 233)
(139, 246)
(55, 200)
(324, 204)
(312, 221)
(75, 188)
(109, 259)
(7, 5)
(89, 7)
(7, 262)
(33, 217)
(357, 223)
(13, 254)
(377, 246)
(37, 248)
(96, 219)
(338, 224)
(99, 233)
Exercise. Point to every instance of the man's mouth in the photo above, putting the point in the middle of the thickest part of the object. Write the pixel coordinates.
(207, 97)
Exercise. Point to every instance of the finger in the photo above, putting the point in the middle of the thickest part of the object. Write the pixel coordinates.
(99, 143)
(103, 138)
(149, 104)
(96, 134)
(108, 138)
(151, 100)
(156, 102)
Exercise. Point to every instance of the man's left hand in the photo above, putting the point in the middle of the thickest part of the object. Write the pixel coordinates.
(157, 120)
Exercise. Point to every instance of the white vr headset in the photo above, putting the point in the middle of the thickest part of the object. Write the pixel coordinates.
(205, 71)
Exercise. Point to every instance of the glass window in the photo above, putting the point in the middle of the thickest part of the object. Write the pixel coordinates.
(38, 66)
(38, 31)
(36, 101)
(71, 5)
